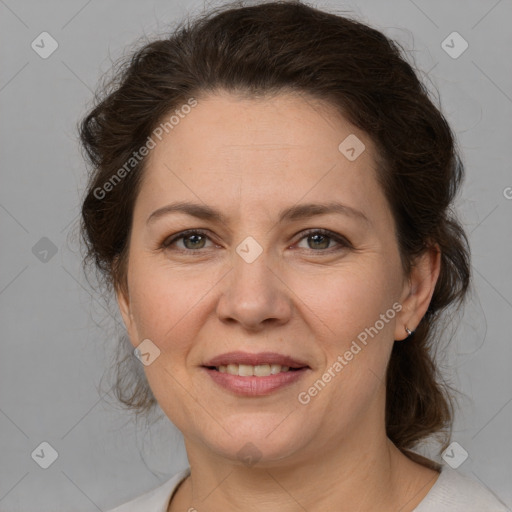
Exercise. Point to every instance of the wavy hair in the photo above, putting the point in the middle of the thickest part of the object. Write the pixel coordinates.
(267, 48)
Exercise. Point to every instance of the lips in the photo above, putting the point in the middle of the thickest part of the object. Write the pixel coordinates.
(255, 375)
(262, 358)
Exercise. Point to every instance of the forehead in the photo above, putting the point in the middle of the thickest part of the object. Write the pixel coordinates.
(262, 152)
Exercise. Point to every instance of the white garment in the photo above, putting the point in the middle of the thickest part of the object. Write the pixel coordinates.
(452, 492)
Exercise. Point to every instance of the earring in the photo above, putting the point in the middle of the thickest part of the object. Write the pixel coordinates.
(408, 331)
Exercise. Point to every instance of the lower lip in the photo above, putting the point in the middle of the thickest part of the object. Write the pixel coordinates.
(255, 386)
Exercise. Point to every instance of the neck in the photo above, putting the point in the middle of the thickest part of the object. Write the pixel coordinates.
(358, 474)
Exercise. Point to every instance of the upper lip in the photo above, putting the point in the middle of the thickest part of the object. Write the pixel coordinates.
(255, 359)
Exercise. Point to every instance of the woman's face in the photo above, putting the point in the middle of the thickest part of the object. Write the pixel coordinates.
(265, 284)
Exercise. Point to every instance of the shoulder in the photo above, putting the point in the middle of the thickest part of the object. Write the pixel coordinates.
(156, 500)
(456, 492)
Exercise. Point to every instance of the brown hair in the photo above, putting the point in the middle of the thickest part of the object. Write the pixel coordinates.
(264, 49)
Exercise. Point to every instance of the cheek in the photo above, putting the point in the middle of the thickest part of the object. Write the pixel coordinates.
(171, 305)
(160, 301)
(354, 311)
(348, 300)
(167, 310)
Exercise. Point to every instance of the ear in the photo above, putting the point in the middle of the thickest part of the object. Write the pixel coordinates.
(123, 301)
(418, 290)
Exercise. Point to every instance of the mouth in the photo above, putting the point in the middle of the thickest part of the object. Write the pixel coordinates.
(263, 364)
(247, 370)
(260, 374)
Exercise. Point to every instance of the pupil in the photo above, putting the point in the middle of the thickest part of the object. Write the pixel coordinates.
(197, 237)
(321, 236)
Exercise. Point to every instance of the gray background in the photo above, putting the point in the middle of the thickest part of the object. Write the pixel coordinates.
(57, 338)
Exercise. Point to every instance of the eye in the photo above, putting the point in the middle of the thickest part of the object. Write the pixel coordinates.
(321, 239)
(318, 240)
(193, 239)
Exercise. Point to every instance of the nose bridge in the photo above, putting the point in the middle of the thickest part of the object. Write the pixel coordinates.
(253, 292)
(252, 266)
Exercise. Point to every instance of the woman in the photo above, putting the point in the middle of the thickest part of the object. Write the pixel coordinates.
(270, 202)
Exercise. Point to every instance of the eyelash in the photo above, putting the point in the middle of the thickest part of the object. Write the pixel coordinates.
(342, 241)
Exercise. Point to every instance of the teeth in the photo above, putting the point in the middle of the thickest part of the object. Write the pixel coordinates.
(247, 370)
(262, 370)
(276, 368)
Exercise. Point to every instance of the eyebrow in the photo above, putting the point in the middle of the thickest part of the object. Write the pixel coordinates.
(292, 213)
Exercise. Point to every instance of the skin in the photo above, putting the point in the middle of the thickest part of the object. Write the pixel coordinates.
(304, 297)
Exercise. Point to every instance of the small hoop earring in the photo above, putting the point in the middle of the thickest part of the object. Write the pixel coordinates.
(408, 331)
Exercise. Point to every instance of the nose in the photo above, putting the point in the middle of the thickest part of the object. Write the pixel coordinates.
(254, 295)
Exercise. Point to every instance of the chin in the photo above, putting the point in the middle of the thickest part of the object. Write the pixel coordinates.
(264, 441)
